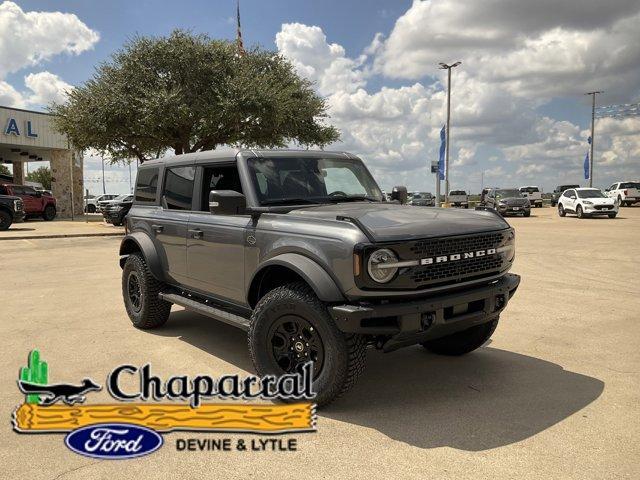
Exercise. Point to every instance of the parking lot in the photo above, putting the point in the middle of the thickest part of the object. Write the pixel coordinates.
(555, 394)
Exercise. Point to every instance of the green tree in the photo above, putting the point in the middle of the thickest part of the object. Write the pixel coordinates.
(41, 175)
(4, 170)
(189, 93)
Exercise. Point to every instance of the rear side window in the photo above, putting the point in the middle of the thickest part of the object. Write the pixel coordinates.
(178, 188)
(3, 190)
(146, 185)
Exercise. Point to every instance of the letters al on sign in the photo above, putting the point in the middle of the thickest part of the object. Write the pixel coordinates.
(12, 128)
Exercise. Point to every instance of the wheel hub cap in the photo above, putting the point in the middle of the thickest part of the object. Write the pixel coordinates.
(294, 342)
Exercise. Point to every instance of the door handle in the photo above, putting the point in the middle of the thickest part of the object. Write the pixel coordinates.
(196, 233)
(157, 228)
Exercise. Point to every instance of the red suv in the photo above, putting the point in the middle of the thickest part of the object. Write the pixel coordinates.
(36, 204)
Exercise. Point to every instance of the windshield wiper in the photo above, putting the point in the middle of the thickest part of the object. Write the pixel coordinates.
(352, 198)
(287, 201)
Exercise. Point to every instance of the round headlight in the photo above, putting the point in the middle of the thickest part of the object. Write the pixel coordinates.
(377, 265)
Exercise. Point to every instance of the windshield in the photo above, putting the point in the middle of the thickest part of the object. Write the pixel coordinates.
(458, 192)
(529, 189)
(508, 194)
(594, 193)
(311, 180)
(120, 197)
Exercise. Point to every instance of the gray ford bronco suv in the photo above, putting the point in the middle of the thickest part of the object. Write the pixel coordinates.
(299, 249)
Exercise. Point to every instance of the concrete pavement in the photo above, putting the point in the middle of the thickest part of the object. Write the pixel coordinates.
(84, 226)
(555, 394)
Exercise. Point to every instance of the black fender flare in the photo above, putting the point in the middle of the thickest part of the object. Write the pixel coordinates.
(140, 242)
(311, 272)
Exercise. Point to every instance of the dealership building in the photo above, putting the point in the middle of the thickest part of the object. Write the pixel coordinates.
(27, 136)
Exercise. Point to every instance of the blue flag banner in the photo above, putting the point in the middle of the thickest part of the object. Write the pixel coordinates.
(586, 166)
(443, 147)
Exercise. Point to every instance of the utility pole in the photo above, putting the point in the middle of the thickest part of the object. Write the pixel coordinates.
(130, 185)
(593, 121)
(104, 186)
(444, 66)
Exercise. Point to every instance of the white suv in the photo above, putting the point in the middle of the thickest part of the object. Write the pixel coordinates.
(585, 202)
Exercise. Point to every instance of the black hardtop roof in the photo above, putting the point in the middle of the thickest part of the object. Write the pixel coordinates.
(226, 155)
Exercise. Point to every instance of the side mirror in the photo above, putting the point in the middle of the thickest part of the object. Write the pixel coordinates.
(227, 202)
(572, 197)
(399, 193)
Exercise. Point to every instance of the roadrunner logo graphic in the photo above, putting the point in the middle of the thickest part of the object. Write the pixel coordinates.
(454, 257)
(131, 426)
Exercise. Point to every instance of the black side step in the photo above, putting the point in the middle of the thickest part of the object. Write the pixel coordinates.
(207, 310)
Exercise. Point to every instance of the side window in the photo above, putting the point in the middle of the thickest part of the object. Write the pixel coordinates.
(613, 187)
(567, 193)
(178, 188)
(17, 190)
(3, 190)
(146, 185)
(30, 191)
(225, 177)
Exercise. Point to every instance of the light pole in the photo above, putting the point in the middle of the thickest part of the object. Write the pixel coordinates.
(104, 185)
(593, 119)
(444, 66)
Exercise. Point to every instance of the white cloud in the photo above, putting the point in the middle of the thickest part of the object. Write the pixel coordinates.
(396, 129)
(29, 38)
(46, 88)
(544, 48)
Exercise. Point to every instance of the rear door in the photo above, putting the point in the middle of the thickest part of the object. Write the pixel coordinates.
(32, 199)
(569, 199)
(171, 221)
(215, 242)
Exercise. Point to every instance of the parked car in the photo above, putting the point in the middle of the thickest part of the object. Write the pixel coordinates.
(558, 191)
(115, 211)
(103, 203)
(91, 203)
(459, 198)
(534, 194)
(423, 199)
(626, 193)
(298, 249)
(11, 210)
(586, 202)
(508, 201)
(36, 204)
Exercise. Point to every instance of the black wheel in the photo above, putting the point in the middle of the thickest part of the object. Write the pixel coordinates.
(461, 343)
(526, 214)
(579, 212)
(612, 215)
(5, 220)
(118, 222)
(91, 208)
(140, 292)
(291, 326)
(49, 213)
(561, 211)
(620, 202)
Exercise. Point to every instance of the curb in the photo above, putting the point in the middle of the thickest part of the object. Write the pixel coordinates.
(64, 235)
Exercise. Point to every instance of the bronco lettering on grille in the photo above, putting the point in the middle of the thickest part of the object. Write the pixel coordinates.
(457, 256)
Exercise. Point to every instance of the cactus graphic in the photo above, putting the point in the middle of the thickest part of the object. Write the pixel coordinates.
(37, 371)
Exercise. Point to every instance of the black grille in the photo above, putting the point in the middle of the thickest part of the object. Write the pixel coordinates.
(602, 207)
(452, 271)
(452, 245)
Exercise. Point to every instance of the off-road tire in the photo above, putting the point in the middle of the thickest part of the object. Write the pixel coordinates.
(91, 208)
(579, 212)
(344, 354)
(152, 312)
(461, 343)
(49, 213)
(561, 211)
(5, 220)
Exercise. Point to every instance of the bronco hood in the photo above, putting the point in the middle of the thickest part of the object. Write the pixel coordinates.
(387, 222)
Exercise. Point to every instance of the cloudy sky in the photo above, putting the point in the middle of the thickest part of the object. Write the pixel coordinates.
(519, 115)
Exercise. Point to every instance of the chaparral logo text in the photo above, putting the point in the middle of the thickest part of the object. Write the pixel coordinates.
(457, 256)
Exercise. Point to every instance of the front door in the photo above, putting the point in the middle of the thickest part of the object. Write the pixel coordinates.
(215, 243)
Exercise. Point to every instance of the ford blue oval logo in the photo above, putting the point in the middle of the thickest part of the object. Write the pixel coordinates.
(114, 441)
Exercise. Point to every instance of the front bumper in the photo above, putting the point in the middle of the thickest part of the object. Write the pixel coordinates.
(408, 323)
(590, 210)
(513, 209)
